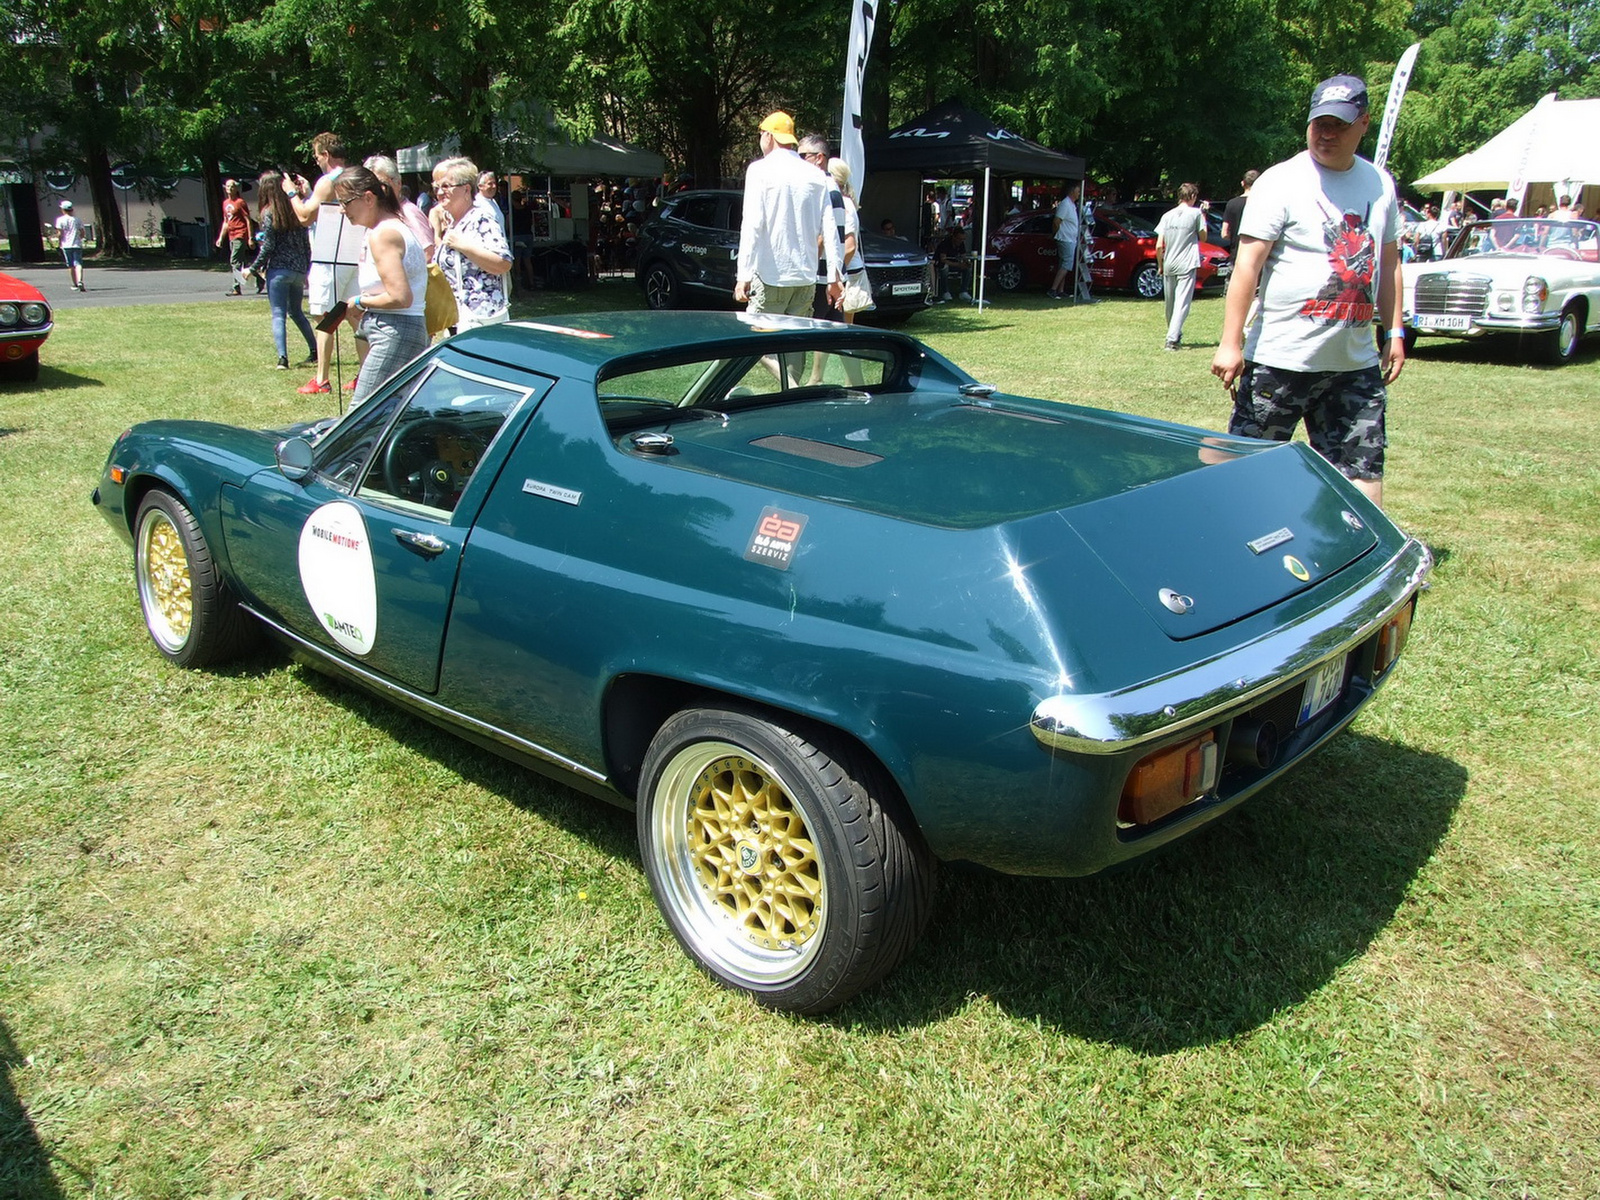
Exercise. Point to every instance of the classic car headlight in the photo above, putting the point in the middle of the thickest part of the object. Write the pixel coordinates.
(8, 314)
(1535, 292)
(35, 314)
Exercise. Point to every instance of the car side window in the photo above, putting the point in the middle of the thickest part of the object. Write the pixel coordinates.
(342, 455)
(429, 454)
(701, 211)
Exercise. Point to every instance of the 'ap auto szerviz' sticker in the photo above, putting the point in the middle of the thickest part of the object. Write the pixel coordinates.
(336, 573)
(775, 538)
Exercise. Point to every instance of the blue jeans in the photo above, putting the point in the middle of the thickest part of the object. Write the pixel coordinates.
(286, 293)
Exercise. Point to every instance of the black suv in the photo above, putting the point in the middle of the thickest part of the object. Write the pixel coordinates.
(688, 248)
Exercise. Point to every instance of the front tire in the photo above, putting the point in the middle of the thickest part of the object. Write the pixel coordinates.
(193, 617)
(660, 287)
(783, 865)
(1560, 346)
(1008, 275)
(1148, 282)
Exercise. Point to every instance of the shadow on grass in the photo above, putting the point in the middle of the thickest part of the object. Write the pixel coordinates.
(605, 826)
(1208, 939)
(57, 380)
(1507, 350)
(1196, 944)
(24, 1162)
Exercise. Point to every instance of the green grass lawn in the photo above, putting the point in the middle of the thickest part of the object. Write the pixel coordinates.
(261, 936)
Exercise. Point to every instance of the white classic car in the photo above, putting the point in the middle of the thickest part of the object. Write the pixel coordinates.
(1528, 276)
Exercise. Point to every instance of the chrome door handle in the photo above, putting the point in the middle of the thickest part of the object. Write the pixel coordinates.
(422, 543)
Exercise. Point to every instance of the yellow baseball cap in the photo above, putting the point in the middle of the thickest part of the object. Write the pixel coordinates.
(781, 126)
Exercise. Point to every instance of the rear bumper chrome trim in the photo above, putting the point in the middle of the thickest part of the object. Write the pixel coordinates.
(1115, 722)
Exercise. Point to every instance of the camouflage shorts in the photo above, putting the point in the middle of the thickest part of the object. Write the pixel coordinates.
(1343, 412)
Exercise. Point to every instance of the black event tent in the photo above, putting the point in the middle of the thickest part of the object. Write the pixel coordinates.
(950, 141)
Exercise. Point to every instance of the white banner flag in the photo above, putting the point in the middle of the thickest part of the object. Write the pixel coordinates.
(1391, 109)
(864, 14)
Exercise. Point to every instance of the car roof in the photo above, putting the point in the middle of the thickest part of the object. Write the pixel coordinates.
(581, 345)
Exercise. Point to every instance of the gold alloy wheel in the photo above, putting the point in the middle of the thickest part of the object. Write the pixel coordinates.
(742, 870)
(754, 853)
(165, 585)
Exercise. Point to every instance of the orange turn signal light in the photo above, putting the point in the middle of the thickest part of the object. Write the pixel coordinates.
(118, 474)
(1392, 639)
(1165, 781)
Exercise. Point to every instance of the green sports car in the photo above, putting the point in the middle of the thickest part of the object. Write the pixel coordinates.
(820, 607)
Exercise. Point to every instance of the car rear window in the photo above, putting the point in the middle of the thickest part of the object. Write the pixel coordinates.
(631, 397)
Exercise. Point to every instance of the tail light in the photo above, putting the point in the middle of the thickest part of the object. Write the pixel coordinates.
(1165, 781)
(1392, 639)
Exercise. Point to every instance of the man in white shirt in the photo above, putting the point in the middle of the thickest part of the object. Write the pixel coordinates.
(336, 246)
(489, 192)
(786, 212)
(1178, 239)
(1321, 237)
(1064, 227)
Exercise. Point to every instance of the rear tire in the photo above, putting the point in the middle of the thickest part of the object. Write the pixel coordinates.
(193, 617)
(783, 864)
(1148, 282)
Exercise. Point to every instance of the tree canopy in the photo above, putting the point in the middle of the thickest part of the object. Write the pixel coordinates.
(1151, 92)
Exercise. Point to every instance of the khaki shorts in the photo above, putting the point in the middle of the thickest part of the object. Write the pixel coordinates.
(796, 301)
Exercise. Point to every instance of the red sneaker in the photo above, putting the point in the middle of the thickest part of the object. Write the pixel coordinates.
(350, 385)
(311, 387)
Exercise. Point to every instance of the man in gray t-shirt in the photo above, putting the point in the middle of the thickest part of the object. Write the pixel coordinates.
(1320, 237)
(1178, 239)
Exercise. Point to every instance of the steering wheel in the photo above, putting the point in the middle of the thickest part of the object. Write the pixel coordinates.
(1561, 252)
(415, 469)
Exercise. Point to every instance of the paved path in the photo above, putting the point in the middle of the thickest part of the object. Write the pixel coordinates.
(119, 284)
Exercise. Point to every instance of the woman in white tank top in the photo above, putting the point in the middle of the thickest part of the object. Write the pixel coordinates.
(392, 281)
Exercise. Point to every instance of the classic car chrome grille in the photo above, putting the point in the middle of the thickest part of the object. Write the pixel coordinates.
(1440, 292)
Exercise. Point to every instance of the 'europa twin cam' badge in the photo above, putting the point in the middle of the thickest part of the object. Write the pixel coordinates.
(776, 535)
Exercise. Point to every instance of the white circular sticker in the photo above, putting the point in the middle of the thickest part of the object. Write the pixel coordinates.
(336, 573)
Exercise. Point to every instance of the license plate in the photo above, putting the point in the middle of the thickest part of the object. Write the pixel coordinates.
(1224, 271)
(1442, 321)
(904, 289)
(1322, 689)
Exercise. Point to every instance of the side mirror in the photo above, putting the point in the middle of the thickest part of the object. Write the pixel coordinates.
(294, 458)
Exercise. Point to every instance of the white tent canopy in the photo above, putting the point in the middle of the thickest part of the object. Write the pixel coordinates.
(1555, 141)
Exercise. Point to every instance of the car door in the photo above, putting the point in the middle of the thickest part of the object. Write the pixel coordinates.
(1115, 254)
(702, 241)
(361, 556)
(722, 256)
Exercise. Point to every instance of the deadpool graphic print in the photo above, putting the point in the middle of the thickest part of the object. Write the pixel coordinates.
(1346, 299)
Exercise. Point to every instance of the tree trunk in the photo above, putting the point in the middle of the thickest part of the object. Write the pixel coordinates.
(111, 240)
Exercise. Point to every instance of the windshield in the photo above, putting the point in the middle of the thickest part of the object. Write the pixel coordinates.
(1136, 225)
(1575, 240)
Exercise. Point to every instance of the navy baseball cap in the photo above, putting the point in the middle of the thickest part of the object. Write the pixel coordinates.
(1343, 96)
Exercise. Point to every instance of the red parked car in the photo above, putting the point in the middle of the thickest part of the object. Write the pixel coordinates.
(24, 324)
(1122, 254)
